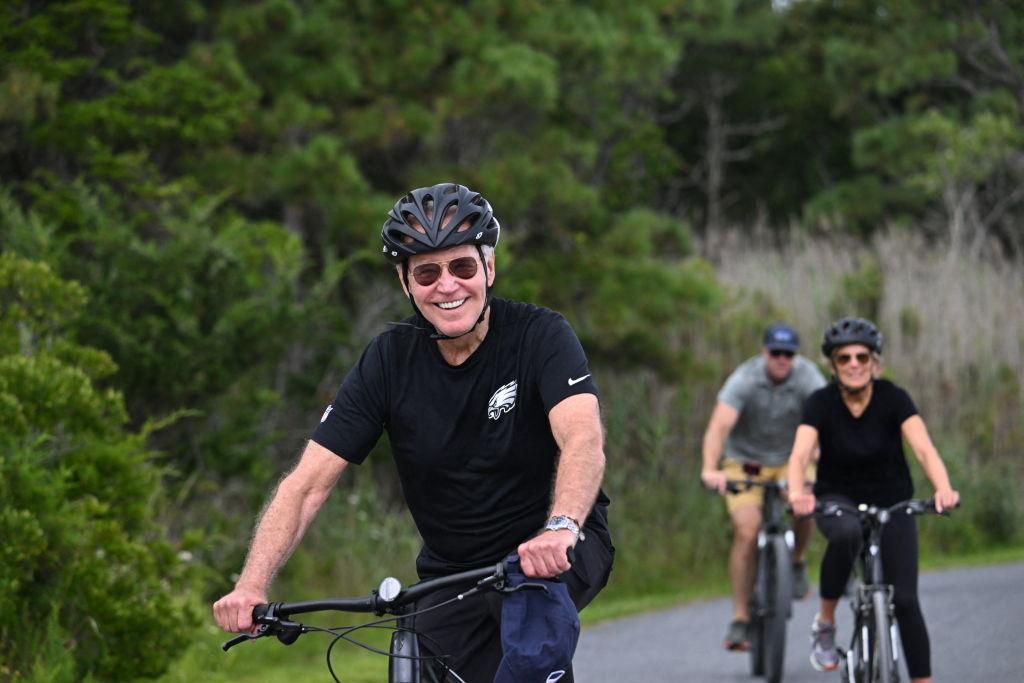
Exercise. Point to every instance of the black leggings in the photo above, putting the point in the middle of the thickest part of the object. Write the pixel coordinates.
(899, 568)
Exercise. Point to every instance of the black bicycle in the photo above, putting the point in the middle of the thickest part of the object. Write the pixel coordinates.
(407, 664)
(771, 601)
(873, 655)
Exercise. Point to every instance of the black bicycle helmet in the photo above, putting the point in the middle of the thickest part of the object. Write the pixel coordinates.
(438, 217)
(851, 331)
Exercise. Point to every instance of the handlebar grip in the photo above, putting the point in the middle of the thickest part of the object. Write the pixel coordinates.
(259, 611)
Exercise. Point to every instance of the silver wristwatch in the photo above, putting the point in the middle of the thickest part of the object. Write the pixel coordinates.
(562, 522)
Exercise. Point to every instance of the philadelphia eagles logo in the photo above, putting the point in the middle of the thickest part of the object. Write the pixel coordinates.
(504, 400)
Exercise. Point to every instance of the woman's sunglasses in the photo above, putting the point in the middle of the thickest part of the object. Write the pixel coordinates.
(845, 358)
(427, 274)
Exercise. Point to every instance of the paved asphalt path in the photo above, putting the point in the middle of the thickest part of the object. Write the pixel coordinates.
(975, 619)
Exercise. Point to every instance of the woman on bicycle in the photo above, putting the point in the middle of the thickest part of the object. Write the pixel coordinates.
(859, 422)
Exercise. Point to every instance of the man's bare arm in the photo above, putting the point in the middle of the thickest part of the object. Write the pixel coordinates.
(576, 426)
(278, 531)
(723, 419)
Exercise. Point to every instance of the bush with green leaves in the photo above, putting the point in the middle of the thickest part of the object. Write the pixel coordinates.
(87, 583)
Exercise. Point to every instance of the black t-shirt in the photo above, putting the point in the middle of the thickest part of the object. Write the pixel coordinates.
(862, 457)
(472, 443)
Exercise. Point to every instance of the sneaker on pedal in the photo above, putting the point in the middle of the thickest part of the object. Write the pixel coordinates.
(824, 655)
(801, 582)
(736, 637)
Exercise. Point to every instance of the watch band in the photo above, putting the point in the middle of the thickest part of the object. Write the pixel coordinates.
(558, 522)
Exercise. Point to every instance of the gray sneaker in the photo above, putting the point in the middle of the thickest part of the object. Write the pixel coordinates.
(801, 583)
(824, 655)
(736, 637)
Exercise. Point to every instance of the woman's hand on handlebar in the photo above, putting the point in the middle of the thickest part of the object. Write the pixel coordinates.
(713, 480)
(946, 499)
(233, 612)
(802, 502)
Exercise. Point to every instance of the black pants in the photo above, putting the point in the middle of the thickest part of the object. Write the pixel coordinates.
(899, 568)
(469, 631)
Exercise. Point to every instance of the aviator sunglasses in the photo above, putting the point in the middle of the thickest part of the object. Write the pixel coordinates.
(844, 358)
(427, 274)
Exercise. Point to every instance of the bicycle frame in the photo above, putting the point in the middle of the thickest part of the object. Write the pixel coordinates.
(873, 655)
(772, 594)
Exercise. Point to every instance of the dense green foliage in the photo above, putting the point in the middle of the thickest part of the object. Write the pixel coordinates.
(84, 575)
(190, 195)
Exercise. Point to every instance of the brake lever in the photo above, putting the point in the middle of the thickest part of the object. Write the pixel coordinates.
(240, 639)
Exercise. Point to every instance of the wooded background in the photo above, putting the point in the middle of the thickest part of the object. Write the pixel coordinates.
(191, 197)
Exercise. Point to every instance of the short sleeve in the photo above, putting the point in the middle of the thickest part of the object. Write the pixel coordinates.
(735, 391)
(562, 368)
(814, 410)
(813, 379)
(902, 405)
(352, 424)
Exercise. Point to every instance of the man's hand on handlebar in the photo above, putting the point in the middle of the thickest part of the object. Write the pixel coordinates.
(546, 554)
(233, 612)
(713, 480)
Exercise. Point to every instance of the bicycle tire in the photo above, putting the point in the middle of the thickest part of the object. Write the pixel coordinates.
(755, 631)
(883, 669)
(777, 608)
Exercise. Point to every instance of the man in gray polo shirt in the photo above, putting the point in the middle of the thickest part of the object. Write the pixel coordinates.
(754, 420)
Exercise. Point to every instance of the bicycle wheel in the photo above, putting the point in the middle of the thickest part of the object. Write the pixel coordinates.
(777, 606)
(755, 631)
(883, 666)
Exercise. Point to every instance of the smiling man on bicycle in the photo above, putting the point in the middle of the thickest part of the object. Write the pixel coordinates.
(754, 420)
(859, 422)
(494, 425)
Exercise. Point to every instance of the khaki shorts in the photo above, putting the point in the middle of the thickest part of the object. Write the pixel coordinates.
(755, 494)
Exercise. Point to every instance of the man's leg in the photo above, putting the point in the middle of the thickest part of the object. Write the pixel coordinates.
(467, 631)
(742, 565)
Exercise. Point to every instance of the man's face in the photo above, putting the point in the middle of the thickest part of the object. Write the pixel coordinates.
(450, 303)
(778, 364)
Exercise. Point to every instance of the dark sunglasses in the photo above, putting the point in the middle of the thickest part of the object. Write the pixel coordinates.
(775, 353)
(844, 358)
(427, 274)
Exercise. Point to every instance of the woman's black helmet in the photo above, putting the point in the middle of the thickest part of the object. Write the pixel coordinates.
(851, 331)
(438, 217)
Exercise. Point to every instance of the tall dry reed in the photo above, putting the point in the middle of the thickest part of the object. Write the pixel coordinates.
(953, 324)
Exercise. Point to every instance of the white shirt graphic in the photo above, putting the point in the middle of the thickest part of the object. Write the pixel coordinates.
(503, 400)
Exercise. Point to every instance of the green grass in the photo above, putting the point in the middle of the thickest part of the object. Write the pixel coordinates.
(269, 661)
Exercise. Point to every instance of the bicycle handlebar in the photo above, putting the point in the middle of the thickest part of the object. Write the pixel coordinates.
(273, 618)
(738, 485)
(913, 506)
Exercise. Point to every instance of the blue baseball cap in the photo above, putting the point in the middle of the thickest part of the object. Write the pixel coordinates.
(781, 337)
(539, 630)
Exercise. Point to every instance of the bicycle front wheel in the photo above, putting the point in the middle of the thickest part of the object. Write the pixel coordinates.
(883, 665)
(777, 607)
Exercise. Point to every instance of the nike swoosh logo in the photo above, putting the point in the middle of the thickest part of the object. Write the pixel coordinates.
(578, 379)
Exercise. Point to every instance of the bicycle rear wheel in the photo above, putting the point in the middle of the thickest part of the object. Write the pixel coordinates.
(883, 665)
